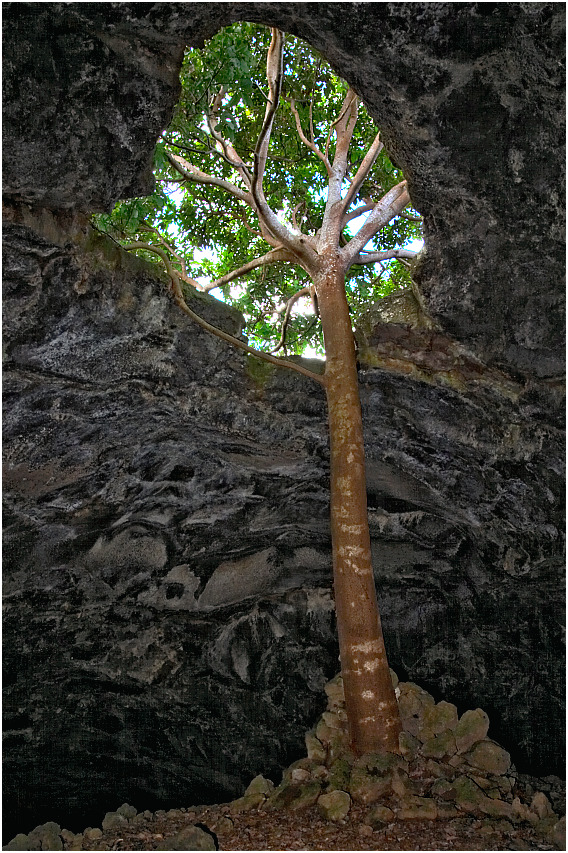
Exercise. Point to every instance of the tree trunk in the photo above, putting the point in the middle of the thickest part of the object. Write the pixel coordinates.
(372, 710)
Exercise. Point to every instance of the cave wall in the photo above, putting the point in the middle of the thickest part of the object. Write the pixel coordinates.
(169, 623)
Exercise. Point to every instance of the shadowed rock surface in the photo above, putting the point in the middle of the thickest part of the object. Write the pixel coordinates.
(169, 623)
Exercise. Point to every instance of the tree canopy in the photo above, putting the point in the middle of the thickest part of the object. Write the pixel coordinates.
(207, 233)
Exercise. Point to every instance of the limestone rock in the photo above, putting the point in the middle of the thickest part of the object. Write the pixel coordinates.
(522, 812)
(490, 757)
(540, 805)
(335, 692)
(48, 835)
(314, 747)
(339, 775)
(412, 703)
(557, 834)
(439, 770)
(468, 796)
(471, 728)
(293, 797)
(113, 820)
(437, 719)
(379, 816)
(496, 808)
(367, 788)
(439, 746)
(409, 745)
(335, 805)
(188, 838)
(260, 785)
(418, 808)
(20, 842)
(127, 811)
(331, 719)
(92, 833)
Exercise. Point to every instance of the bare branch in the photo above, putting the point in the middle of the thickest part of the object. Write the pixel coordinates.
(310, 144)
(359, 211)
(272, 257)
(411, 218)
(171, 248)
(192, 173)
(181, 303)
(391, 204)
(334, 209)
(298, 244)
(226, 147)
(375, 257)
(363, 171)
(305, 291)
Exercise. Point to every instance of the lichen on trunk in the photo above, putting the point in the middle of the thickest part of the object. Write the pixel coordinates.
(372, 711)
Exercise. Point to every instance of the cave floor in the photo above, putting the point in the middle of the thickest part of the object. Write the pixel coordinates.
(306, 830)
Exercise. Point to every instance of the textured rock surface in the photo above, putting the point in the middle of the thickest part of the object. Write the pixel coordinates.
(470, 101)
(169, 624)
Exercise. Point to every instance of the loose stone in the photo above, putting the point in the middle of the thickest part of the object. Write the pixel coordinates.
(335, 805)
(471, 728)
(490, 757)
(419, 808)
(379, 816)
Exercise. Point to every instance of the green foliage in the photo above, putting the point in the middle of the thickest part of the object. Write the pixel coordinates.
(212, 232)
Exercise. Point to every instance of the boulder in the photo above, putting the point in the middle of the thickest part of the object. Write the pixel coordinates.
(437, 719)
(471, 728)
(293, 797)
(490, 757)
(412, 704)
(188, 838)
(379, 816)
(418, 808)
(334, 805)
(439, 746)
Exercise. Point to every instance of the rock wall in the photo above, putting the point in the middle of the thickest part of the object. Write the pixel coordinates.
(169, 623)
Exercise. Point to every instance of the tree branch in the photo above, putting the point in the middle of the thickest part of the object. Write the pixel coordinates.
(363, 171)
(375, 257)
(310, 144)
(192, 173)
(334, 209)
(184, 274)
(305, 291)
(391, 204)
(181, 303)
(272, 257)
(298, 244)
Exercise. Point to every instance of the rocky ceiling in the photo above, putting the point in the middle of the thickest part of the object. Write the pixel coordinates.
(469, 97)
(169, 624)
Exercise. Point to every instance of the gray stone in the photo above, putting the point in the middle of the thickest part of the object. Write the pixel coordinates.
(471, 728)
(19, 842)
(379, 816)
(334, 805)
(294, 797)
(188, 838)
(490, 757)
(418, 808)
(48, 835)
(92, 833)
(127, 811)
(440, 745)
(113, 820)
(437, 719)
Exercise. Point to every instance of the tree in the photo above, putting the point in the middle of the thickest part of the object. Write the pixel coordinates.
(311, 235)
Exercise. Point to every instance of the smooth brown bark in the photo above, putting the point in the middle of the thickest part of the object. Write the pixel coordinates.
(372, 709)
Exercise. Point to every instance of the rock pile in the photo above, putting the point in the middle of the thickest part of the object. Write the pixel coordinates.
(447, 766)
